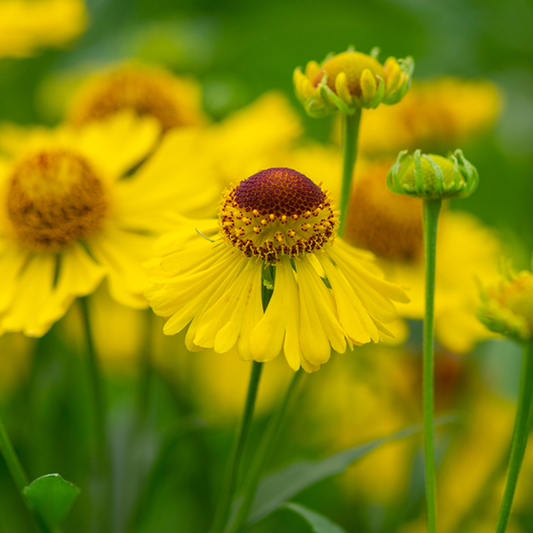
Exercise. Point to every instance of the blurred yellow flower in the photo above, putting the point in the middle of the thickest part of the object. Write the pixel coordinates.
(473, 455)
(67, 219)
(276, 223)
(436, 115)
(368, 396)
(507, 307)
(145, 90)
(391, 226)
(29, 25)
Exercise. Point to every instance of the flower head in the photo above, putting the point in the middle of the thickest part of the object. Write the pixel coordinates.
(351, 80)
(507, 307)
(276, 228)
(433, 176)
(380, 221)
(435, 115)
(68, 219)
(145, 90)
(28, 25)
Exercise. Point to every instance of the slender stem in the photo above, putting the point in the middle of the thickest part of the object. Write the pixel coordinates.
(268, 443)
(520, 436)
(15, 468)
(102, 491)
(431, 211)
(18, 474)
(95, 380)
(234, 461)
(350, 132)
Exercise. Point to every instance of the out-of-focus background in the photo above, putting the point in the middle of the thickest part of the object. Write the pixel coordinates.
(238, 50)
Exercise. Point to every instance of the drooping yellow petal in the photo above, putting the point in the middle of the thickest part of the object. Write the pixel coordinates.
(320, 327)
(12, 260)
(78, 275)
(122, 254)
(352, 314)
(35, 285)
(247, 288)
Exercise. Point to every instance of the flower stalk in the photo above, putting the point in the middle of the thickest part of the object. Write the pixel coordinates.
(102, 492)
(17, 474)
(519, 440)
(350, 133)
(236, 454)
(268, 443)
(431, 209)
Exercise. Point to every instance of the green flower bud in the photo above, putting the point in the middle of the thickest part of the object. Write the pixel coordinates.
(433, 176)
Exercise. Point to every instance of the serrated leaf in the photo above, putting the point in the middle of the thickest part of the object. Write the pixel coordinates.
(276, 488)
(52, 497)
(318, 522)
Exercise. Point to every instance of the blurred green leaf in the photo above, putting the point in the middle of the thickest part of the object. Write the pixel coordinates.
(51, 497)
(278, 487)
(319, 523)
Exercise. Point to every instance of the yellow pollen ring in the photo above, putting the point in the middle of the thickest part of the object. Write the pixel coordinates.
(295, 228)
(54, 198)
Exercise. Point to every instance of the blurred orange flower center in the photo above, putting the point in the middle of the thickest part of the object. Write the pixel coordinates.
(53, 199)
(147, 94)
(387, 224)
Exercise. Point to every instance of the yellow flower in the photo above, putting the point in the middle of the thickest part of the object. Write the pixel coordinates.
(371, 395)
(67, 219)
(276, 228)
(351, 80)
(391, 227)
(27, 25)
(145, 90)
(435, 116)
(507, 307)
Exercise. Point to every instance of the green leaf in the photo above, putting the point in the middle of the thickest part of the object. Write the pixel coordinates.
(278, 487)
(319, 523)
(51, 497)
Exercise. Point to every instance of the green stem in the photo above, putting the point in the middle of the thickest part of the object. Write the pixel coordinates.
(431, 209)
(102, 480)
(15, 468)
(520, 436)
(350, 132)
(268, 443)
(18, 474)
(234, 461)
(95, 380)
